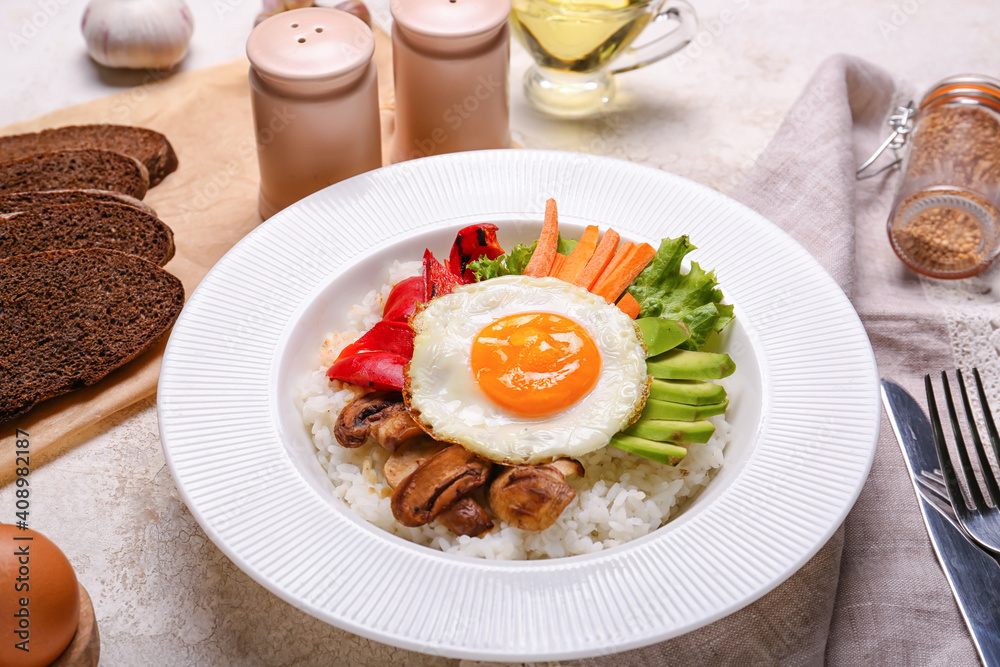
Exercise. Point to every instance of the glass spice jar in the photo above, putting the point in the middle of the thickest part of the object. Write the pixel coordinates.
(945, 220)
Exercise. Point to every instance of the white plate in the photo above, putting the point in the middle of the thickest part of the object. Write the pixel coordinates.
(805, 409)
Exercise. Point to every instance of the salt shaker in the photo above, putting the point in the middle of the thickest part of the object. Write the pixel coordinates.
(315, 103)
(945, 220)
(450, 63)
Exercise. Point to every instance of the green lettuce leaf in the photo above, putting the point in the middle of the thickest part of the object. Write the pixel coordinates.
(504, 265)
(514, 261)
(565, 246)
(692, 298)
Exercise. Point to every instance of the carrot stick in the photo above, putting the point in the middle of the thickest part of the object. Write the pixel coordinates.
(623, 250)
(629, 305)
(557, 265)
(623, 275)
(581, 254)
(545, 252)
(598, 261)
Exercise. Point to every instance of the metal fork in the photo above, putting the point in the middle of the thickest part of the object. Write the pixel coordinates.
(982, 521)
(932, 489)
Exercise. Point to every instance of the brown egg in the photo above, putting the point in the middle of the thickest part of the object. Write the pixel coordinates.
(40, 602)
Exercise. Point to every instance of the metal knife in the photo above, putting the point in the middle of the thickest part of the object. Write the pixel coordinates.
(973, 575)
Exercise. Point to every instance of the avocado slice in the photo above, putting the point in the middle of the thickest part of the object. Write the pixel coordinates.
(688, 365)
(657, 409)
(666, 430)
(661, 452)
(661, 334)
(689, 392)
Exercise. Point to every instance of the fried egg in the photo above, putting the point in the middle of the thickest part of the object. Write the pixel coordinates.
(525, 370)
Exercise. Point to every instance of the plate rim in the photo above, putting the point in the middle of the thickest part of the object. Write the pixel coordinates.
(358, 628)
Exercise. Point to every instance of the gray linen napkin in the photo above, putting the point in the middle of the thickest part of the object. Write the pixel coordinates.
(874, 594)
(893, 604)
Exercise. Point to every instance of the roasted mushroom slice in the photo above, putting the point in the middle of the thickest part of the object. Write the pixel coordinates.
(466, 516)
(438, 483)
(533, 497)
(396, 427)
(567, 467)
(381, 415)
(404, 461)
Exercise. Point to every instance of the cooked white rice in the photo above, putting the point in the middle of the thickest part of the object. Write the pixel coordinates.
(622, 496)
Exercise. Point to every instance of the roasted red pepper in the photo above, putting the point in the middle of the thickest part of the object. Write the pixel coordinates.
(472, 243)
(376, 370)
(385, 335)
(377, 360)
(437, 279)
(403, 299)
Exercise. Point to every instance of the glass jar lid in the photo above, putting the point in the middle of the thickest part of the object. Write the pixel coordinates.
(970, 87)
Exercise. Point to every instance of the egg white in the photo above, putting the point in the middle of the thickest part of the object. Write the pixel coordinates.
(445, 398)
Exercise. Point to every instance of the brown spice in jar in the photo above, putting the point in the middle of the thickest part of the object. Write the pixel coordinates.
(957, 145)
(942, 239)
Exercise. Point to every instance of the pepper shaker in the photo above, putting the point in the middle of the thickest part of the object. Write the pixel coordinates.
(450, 61)
(315, 103)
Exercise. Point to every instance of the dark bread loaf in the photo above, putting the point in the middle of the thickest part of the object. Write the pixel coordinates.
(149, 147)
(91, 225)
(88, 168)
(70, 317)
(18, 202)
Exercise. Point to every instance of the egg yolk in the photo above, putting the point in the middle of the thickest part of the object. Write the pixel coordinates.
(535, 364)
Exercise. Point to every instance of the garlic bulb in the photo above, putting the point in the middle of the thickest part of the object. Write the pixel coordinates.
(356, 7)
(278, 6)
(272, 7)
(138, 34)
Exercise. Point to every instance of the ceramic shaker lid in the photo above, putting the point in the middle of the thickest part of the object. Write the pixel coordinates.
(450, 18)
(316, 46)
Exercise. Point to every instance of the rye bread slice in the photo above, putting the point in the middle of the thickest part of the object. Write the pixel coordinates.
(89, 225)
(149, 147)
(70, 317)
(88, 168)
(19, 202)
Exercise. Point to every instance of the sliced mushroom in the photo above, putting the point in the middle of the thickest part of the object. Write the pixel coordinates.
(533, 497)
(466, 516)
(381, 415)
(437, 484)
(395, 428)
(567, 467)
(405, 460)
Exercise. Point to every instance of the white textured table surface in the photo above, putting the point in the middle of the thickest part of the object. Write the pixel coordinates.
(163, 593)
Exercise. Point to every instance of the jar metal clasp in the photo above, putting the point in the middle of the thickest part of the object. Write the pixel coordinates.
(901, 122)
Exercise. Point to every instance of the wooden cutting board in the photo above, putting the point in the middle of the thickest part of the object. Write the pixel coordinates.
(210, 202)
